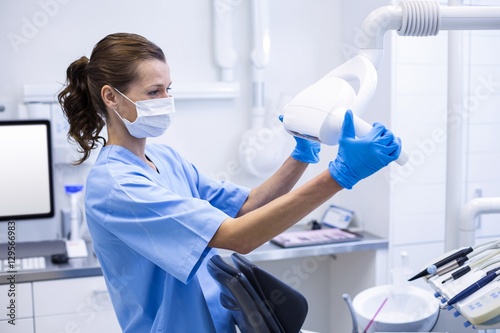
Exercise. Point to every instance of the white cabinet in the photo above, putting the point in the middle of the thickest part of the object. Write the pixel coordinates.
(22, 326)
(23, 308)
(23, 300)
(73, 305)
(59, 306)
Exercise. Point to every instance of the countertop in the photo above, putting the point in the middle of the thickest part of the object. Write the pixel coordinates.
(89, 266)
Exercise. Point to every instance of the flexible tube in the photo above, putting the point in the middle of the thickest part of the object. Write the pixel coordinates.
(420, 18)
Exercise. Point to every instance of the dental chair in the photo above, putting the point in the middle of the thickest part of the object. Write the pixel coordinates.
(259, 302)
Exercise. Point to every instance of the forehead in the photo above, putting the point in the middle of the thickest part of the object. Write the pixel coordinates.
(152, 71)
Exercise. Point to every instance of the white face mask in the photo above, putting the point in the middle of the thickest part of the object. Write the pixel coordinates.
(153, 117)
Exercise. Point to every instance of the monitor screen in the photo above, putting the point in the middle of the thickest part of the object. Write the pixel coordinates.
(26, 189)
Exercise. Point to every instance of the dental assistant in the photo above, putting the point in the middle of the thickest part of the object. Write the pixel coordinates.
(154, 218)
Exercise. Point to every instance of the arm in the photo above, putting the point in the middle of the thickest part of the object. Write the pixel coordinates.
(278, 184)
(247, 232)
(286, 177)
(357, 159)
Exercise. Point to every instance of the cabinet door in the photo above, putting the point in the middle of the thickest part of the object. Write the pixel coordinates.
(73, 305)
(23, 300)
(104, 321)
(22, 326)
(70, 296)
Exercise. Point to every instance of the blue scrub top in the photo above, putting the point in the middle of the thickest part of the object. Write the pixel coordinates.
(150, 232)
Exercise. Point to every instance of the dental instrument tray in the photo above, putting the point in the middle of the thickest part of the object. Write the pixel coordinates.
(467, 281)
(314, 237)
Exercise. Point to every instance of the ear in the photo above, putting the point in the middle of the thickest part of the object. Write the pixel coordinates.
(108, 95)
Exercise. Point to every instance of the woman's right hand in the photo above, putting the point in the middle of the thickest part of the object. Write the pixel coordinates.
(361, 157)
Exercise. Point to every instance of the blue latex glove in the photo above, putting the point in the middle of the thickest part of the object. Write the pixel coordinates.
(359, 158)
(306, 151)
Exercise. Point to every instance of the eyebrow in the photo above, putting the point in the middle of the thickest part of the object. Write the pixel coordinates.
(159, 85)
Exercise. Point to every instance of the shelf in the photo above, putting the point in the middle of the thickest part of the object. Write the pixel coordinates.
(47, 93)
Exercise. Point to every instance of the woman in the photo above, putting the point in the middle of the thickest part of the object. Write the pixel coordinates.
(153, 217)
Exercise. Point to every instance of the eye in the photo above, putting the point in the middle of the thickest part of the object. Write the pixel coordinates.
(153, 93)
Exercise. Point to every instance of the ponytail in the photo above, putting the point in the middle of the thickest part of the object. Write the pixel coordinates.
(113, 62)
(85, 123)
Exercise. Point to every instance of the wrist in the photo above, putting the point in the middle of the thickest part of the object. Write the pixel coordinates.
(306, 151)
(341, 175)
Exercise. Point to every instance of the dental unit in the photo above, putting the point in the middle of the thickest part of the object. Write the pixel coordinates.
(473, 290)
(467, 278)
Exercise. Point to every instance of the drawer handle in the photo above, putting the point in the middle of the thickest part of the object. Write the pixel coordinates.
(101, 292)
(101, 296)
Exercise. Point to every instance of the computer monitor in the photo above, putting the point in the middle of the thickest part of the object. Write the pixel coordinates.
(26, 189)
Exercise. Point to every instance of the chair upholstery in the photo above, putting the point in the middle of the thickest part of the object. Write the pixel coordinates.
(259, 302)
(288, 306)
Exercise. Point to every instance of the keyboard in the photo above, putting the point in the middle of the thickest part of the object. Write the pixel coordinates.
(23, 264)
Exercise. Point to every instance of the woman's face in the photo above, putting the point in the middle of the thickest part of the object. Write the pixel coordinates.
(153, 81)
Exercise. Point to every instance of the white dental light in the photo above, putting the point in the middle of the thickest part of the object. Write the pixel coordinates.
(317, 112)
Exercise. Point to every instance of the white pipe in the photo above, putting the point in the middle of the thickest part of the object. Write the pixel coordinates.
(224, 53)
(420, 18)
(260, 59)
(261, 149)
(455, 197)
(475, 207)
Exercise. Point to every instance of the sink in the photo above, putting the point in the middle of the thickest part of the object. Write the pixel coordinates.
(410, 309)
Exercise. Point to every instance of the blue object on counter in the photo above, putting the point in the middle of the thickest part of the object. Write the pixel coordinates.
(73, 188)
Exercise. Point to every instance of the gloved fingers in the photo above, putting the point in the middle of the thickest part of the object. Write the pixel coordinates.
(389, 152)
(347, 126)
(380, 134)
(397, 147)
(280, 117)
(306, 150)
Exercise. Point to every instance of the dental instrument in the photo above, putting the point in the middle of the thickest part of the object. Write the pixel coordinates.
(490, 276)
(473, 290)
(433, 268)
(466, 269)
(455, 260)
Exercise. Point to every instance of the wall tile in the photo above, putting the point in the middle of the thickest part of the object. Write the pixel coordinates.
(483, 167)
(418, 109)
(411, 229)
(484, 138)
(418, 199)
(420, 79)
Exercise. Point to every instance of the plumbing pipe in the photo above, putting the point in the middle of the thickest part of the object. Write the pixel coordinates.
(262, 148)
(455, 191)
(260, 59)
(475, 207)
(420, 18)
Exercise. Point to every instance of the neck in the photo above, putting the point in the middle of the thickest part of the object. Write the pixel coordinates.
(120, 136)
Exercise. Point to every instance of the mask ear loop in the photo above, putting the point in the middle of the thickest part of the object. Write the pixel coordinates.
(118, 91)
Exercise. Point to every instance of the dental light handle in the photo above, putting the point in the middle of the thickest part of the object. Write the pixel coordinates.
(362, 128)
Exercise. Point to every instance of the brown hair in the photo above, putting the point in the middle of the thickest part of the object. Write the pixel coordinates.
(113, 62)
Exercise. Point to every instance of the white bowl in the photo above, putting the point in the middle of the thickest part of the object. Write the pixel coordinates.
(413, 310)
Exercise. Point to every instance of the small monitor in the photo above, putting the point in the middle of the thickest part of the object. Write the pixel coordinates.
(26, 189)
